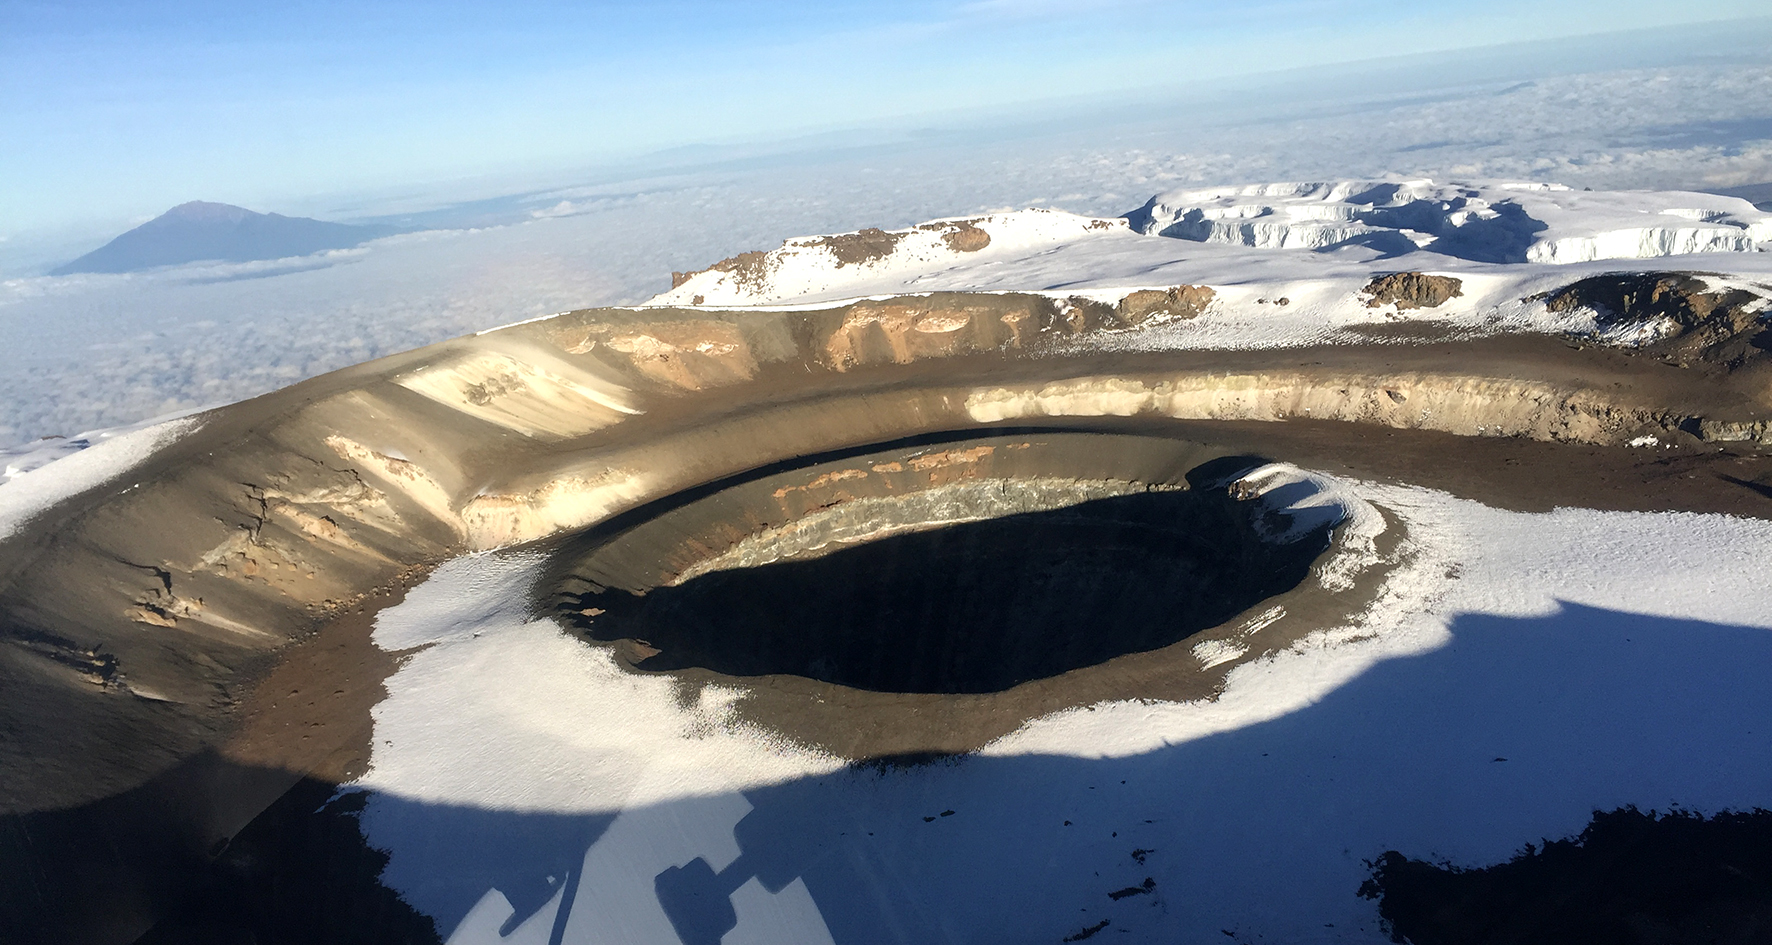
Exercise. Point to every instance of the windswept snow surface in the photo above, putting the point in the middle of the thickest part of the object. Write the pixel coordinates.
(37, 478)
(1514, 673)
(505, 741)
(483, 664)
(1297, 503)
(32, 456)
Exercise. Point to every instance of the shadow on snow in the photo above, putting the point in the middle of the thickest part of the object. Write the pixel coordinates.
(1516, 730)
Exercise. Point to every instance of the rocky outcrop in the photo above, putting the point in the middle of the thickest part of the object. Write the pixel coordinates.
(961, 236)
(1684, 299)
(1412, 290)
(1184, 301)
(750, 270)
(1678, 315)
(874, 261)
(1138, 308)
(858, 248)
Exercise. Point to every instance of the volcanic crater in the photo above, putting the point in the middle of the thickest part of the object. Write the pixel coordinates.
(851, 513)
(939, 570)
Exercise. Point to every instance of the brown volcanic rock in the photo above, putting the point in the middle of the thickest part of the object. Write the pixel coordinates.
(1725, 328)
(1183, 301)
(1410, 290)
(861, 247)
(751, 269)
(961, 236)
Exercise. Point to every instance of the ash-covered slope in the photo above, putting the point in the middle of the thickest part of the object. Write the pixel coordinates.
(201, 231)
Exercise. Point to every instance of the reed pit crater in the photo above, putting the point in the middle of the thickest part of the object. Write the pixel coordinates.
(966, 567)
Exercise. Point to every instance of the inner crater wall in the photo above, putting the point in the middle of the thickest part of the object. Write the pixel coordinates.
(968, 565)
(796, 512)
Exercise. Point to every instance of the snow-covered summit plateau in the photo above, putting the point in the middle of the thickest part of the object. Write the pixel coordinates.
(1494, 222)
(1301, 231)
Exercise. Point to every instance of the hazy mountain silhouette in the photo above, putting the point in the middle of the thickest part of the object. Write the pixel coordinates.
(199, 230)
(1760, 195)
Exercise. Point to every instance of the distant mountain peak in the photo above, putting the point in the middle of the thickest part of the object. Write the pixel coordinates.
(201, 230)
(204, 211)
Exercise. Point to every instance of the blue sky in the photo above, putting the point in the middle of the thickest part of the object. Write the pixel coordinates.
(117, 110)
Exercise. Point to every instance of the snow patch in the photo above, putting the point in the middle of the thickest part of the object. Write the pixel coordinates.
(1305, 503)
(492, 711)
(1461, 557)
(36, 454)
(46, 476)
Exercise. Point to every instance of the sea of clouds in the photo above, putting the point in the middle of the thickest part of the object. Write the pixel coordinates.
(91, 351)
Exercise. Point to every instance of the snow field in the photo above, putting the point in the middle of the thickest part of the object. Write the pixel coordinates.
(1516, 672)
(1503, 221)
(1284, 241)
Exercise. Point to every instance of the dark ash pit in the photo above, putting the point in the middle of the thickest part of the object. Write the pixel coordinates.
(974, 607)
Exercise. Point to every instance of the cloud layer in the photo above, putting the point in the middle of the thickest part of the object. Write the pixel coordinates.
(86, 352)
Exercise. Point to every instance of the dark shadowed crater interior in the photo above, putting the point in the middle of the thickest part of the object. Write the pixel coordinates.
(967, 608)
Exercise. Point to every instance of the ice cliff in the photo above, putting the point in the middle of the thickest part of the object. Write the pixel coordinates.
(1489, 222)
